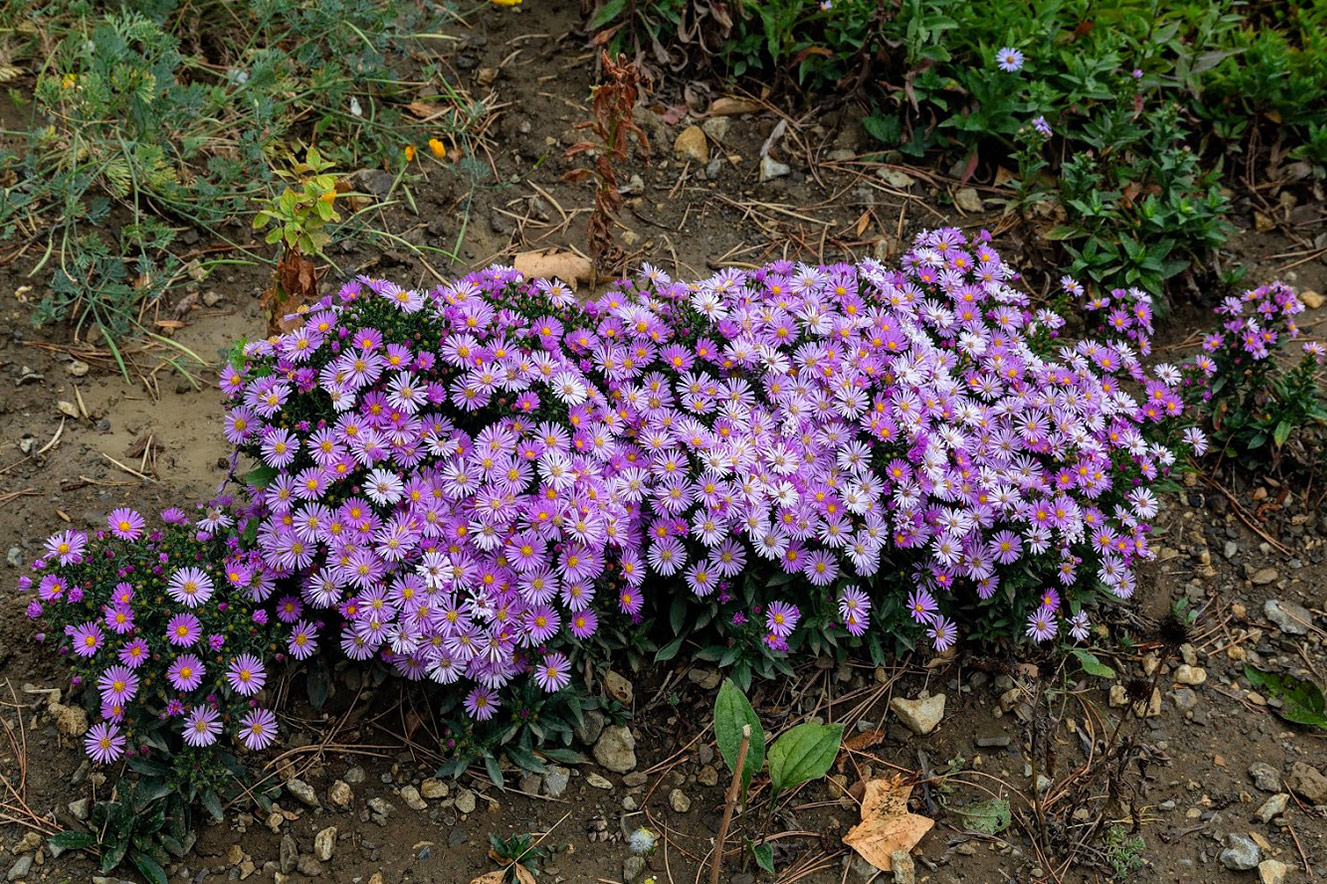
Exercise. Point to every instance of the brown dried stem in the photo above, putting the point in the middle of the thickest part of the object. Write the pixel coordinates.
(730, 803)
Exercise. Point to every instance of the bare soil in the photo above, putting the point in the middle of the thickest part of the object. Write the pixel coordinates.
(1187, 783)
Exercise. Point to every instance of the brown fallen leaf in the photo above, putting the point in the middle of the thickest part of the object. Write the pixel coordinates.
(727, 106)
(886, 824)
(425, 110)
(569, 267)
(490, 877)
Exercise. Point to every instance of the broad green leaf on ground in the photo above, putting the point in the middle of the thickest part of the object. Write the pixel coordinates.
(1302, 701)
(989, 817)
(731, 711)
(804, 753)
(1091, 664)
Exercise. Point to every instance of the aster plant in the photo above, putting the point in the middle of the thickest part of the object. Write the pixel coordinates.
(167, 631)
(478, 482)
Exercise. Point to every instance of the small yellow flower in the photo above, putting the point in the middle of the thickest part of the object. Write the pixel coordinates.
(328, 197)
(506, 2)
(409, 152)
(438, 148)
(68, 81)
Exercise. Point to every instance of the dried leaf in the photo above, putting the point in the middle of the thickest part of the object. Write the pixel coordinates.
(425, 110)
(489, 878)
(1003, 176)
(886, 824)
(569, 267)
(168, 323)
(523, 875)
(865, 740)
(727, 106)
(862, 222)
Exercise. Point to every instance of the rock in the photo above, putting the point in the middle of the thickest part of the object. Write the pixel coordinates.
(966, 199)
(1191, 675)
(530, 783)
(374, 181)
(1241, 854)
(616, 749)
(80, 808)
(635, 779)
(1308, 783)
(992, 737)
(1312, 300)
(72, 721)
(771, 168)
(1272, 871)
(708, 775)
(78, 368)
(465, 801)
(1263, 576)
(339, 794)
(589, 728)
(15, 557)
(303, 791)
(905, 870)
(708, 679)
(354, 776)
(21, 867)
(597, 781)
(1231, 549)
(1273, 807)
(678, 800)
(692, 144)
(29, 843)
(410, 795)
(1290, 618)
(287, 854)
(556, 780)
(1186, 699)
(922, 715)
(1265, 777)
(1119, 699)
(633, 867)
(212, 298)
(433, 788)
(716, 127)
(324, 843)
(380, 807)
(895, 178)
(619, 688)
(307, 865)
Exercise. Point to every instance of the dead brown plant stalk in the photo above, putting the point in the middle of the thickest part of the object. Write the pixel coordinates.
(612, 103)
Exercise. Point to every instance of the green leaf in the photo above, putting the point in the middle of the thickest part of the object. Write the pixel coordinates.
(732, 710)
(318, 682)
(803, 753)
(493, 770)
(1091, 664)
(990, 817)
(764, 855)
(260, 477)
(609, 11)
(72, 840)
(668, 651)
(213, 805)
(151, 869)
(565, 756)
(1301, 701)
(1282, 433)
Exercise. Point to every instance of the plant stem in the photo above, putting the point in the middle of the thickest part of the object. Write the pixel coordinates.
(730, 802)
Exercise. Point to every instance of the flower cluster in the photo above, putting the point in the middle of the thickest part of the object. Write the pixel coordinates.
(471, 477)
(167, 626)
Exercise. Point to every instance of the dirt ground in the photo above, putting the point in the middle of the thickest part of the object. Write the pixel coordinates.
(1228, 548)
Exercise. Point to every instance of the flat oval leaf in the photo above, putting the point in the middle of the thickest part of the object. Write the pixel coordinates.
(72, 840)
(1091, 664)
(731, 711)
(1302, 701)
(803, 753)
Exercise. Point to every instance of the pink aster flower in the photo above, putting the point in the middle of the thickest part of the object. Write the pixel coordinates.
(68, 547)
(202, 726)
(190, 587)
(258, 729)
(1042, 624)
(186, 673)
(86, 639)
(303, 640)
(118, 684)
(126, 524)
(184, 630)
(481, 703)
(134, 654)
(104, 743)
(246, 675)
(553, 673)
(781, 618)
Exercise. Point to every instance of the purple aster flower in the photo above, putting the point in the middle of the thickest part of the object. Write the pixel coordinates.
(1009, 60)
(1078, 627)
(134, 654)
(202, 726)
(86, 639)
(118, 684)
(1042, 624)
(104, 743)
(119, 619)
(174, 516)
(1043, 128)
(186, 673)
(303, 640)
(553, 673)
(584, 623)
(184, 630)
(942, 633)
(481, 703)
(781, 618)
(126, 524)
(921, 606)
(258, 729)
(190, 587)
(67, 547)
(246, 675)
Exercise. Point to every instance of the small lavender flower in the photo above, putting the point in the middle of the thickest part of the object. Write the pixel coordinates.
(1009, 60)
(1043, 128)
